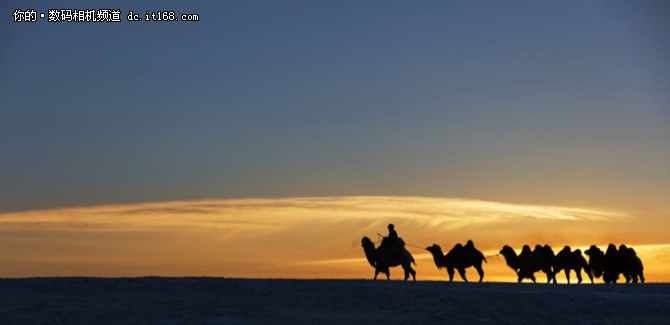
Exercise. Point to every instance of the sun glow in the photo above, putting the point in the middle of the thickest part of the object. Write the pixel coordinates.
(299, 237)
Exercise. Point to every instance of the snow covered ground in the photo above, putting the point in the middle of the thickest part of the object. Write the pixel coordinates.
(154, 300)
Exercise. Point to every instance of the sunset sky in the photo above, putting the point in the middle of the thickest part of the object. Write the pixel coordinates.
(266, 139)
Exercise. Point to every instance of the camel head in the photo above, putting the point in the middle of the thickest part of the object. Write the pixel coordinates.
(435, 249)
(595, 260)
(507, 251)
(593, 251)
(438, 256)
(366, 242)
(510, 256)
(370, 252)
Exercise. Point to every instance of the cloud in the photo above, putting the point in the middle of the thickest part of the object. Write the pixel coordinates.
(289, 237)
(446, 214)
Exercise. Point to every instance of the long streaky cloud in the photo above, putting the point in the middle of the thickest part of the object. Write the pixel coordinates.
(257, 214)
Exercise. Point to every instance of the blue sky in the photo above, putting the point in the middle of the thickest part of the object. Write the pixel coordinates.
(516, 101)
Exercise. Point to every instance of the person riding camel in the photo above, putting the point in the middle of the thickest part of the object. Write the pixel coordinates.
(393, 239)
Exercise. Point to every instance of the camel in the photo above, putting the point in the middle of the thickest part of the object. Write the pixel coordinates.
(383, 257)
(510, 257)
(596, 261)
(614, 262)
(545, 257)
(602, 264)
(529, 262)
(460, 257)
(567, 260)
(632, 267)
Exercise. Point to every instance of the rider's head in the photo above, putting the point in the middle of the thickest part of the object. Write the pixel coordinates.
(391, 226)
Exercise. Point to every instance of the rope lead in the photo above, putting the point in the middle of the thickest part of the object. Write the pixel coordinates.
(406, 244)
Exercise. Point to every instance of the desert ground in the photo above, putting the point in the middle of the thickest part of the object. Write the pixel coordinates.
(157, 300)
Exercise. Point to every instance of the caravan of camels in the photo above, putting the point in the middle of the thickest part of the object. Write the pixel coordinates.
(609, 264)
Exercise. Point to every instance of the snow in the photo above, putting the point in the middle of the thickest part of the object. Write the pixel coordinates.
(156, 300)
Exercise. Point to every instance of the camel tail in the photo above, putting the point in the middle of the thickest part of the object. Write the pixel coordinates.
(413, 261)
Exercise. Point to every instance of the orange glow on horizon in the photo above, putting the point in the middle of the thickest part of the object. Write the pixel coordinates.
(302, 237)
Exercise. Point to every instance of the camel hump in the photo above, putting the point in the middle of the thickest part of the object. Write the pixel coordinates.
(401, 243)
(611, 248)
(470, 244)
(548, 250)
(578, 252)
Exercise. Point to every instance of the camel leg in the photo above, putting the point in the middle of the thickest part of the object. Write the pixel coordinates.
(376, 273)
(480, 271)
(641, 276)
(553, 276)
(408, 271)
(450, 270)
(589, 275)
(388, 275)
(625, 275)
(550, 276)
(579, 275)
(462, 273)
(532, 277)
(567, 274)
(609, 278)
(411, 271)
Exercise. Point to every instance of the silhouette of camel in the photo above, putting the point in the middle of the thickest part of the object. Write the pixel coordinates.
(529, 262)
(460, 257)
(567, 261)
(383, 257)
(612, 266)
(614, 262)
(596, 261)
(631, 265)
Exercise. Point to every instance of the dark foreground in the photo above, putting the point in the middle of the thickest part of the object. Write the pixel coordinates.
(237, 301)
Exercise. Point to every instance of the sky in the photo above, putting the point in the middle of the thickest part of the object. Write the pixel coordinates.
(261, 106)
